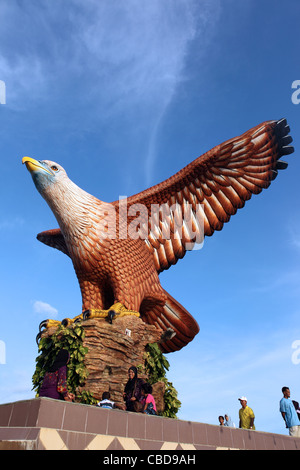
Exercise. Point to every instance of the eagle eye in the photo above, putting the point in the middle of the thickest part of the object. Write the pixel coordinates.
(54, 168)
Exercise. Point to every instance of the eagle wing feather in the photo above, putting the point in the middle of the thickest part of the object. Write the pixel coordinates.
(220, 181)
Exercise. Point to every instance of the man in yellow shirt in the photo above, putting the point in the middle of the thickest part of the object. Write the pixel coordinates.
(246, 415)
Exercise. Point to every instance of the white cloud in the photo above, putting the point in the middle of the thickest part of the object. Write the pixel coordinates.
(127, 48)
(23, 80)
(44, 308)
(125, 58)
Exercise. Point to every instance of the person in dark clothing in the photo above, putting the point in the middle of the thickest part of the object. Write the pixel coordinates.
(132, 392)
(55, 380)
(297, 408)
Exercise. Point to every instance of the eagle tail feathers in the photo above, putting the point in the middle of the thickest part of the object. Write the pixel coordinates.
(178, 325)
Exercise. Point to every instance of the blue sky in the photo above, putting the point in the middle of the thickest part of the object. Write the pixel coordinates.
(123, 95)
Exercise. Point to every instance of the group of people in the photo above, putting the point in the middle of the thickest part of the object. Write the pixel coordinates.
(226, 421)
(246, 416)
(137, 393)
(288, 408)
(138, 397)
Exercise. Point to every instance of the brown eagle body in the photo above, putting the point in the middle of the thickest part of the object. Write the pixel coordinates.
(118, 249)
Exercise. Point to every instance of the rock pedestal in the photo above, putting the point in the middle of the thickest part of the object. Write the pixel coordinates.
(112, 349)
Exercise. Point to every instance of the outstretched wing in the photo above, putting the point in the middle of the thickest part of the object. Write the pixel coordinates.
(208, 191)
(55, 239)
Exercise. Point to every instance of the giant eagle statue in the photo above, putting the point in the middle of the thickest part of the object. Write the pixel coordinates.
(118, 249)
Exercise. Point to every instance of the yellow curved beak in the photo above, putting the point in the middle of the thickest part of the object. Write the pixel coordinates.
(33, 165)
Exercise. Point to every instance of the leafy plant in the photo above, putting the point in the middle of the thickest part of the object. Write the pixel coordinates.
(172, 404)
(70, 338)
(155, 367)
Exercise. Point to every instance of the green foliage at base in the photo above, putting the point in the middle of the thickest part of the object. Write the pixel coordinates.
(70, 338)
(155, 367)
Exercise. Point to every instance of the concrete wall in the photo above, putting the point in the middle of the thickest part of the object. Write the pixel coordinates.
(46, 424)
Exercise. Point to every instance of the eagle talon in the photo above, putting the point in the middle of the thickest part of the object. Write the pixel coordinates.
(86, 314)
(69, 321)
(111, 315)
(46, 324)
(43, 324)
(49, 323)
(116, 309)
(38, 337)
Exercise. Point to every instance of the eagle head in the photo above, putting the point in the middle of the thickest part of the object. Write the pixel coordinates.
(44, 173)
(66, 200)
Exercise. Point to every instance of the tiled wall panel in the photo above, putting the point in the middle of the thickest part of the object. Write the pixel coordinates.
(43, 423)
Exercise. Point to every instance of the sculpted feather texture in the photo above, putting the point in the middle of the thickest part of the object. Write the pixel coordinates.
(119, 248)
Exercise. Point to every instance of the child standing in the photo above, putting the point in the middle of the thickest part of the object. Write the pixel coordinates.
(149, 406)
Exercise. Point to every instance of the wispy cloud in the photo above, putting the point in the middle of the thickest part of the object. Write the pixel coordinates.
(44, 308)
(11, 223)
(294, 236)
(131, 50)
(285, 282)
(125, 58)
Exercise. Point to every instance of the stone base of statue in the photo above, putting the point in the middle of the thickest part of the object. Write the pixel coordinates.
(112, 349)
